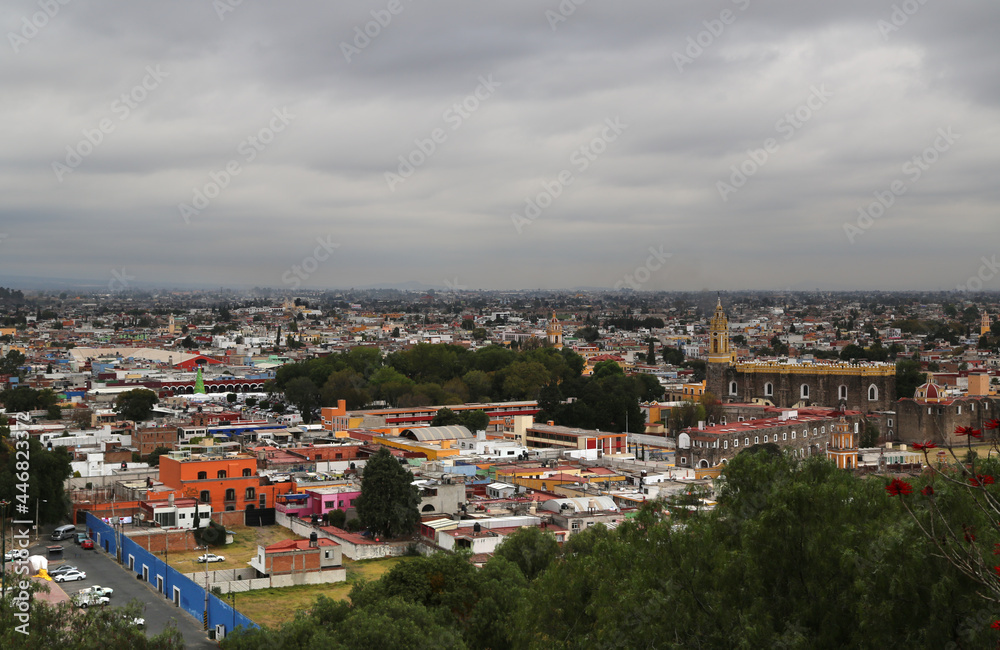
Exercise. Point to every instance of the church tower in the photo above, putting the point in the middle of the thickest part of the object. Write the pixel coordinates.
(842, 450)
(984, 325)
(719, 355)
(554, 332)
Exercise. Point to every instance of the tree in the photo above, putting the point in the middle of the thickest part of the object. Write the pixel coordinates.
(11, 363)
(154, 457)
(672, 356)
(651, 353)
(136, 404)
(908, 377)
(475, 420)
(65, 626)
(302, 392)
(388, 504)
(531, 549)
(445, 417)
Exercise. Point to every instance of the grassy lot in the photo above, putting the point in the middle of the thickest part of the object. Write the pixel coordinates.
(272, 607)
(237, 554)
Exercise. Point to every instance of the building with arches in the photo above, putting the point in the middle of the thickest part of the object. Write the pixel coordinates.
(864, 387)
(802, 433)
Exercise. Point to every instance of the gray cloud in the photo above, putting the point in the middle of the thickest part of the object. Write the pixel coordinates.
(890, 90)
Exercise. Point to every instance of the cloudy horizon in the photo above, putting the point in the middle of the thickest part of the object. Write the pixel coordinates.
(737, 144)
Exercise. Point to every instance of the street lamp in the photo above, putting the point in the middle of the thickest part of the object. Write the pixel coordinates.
(3, 543)
(38, 522)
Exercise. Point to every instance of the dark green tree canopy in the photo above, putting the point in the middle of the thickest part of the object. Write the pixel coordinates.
(389, 502)
(136, 405)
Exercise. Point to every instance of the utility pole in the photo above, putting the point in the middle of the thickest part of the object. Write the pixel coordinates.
(3, 543)
(38, 522)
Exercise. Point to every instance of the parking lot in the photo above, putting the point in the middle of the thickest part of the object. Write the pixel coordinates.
(103, 570)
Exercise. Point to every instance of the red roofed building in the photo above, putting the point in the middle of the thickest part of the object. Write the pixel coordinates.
(303, 561)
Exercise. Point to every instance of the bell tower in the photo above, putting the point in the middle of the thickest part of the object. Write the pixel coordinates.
(718, 337)
(984, 324)
(720, 357)
(843, 450)
(553, 332)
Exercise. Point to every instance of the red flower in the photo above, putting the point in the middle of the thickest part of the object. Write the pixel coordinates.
(974, 481)
(997, 569)
(968, 431)
(927, 445)
(986, 479)
(992, 424)
(996, 549)
(969, 535)
(897, 487)
(996, 625)
(927, 491)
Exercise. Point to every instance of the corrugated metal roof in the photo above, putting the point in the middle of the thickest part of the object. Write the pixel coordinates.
(429, 434)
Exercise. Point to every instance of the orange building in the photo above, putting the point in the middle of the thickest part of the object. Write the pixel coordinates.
(228, 483)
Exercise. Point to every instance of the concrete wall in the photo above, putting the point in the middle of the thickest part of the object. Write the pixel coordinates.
(349, 549)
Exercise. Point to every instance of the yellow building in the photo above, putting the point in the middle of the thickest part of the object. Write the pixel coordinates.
(554, 332)
(843, 450)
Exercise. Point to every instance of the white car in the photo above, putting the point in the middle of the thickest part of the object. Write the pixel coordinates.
(96, 590)
(211, 557)
(89, 600)
(70, 575)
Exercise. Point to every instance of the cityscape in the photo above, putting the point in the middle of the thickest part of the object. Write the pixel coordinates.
(558, 325)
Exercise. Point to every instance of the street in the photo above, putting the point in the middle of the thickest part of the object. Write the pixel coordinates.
(102, 569)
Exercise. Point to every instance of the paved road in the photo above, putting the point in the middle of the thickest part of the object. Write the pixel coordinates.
(102, 569)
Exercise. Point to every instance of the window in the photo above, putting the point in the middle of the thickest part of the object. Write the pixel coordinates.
(263, 500)
(784, 436)
(251, 494)
(872, 392)
(203, 515)
(339, 456)
(890, 422)
(736, 442)
(793, 435)
(822, 429)
(804, 391)
(739, 419)
(746, 441)
(230, 494)
(246, 471)
(765, 437)
(958, 409)
(723, 421)
(182, 516)
(202, 476)
(221, 474)
(725, 444)
(732, 388)
(768, 389)
(756, 439)
(842, 392)
(815, 431)
(206, 496)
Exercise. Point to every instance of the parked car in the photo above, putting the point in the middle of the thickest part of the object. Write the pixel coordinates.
(90, 600)
(80, 537)
(211, 557)
(10, 556)
(62, 568)
(69, 576)
(137, 621)
(96, 590)
(87, 543)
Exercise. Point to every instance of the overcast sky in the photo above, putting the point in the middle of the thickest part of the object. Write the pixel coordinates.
(667, 145)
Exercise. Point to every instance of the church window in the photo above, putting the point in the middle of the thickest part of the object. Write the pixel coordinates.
(804, 391)
(725, 444)
(842, 392)
(765, 437)
(768, 389)
(746, 441)
(815, 432)
(793, 435)
(784, 436)
(873, 392)
(732, 388)
(756, 439)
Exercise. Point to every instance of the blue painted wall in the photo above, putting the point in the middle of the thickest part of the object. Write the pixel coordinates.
(192, 596)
